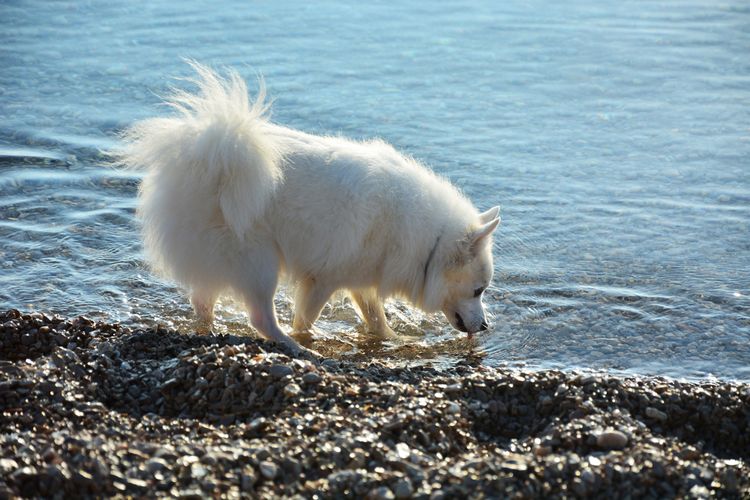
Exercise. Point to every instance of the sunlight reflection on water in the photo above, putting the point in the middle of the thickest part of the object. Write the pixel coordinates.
(613, 136)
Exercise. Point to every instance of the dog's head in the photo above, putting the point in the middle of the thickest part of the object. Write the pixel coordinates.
(468, 274)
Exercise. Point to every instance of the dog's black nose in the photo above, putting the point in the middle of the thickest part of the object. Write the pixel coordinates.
(484, 326)
(460, 323)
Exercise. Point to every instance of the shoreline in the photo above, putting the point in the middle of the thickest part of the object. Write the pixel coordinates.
(93, 408)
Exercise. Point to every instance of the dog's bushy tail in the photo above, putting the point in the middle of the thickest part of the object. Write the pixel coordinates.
(213, 145)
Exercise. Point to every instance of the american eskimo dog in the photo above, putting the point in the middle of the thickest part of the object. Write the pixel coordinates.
(231, 202)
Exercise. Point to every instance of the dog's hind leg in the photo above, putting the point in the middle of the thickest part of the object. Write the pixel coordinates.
(263, 318)
(371, 309)
(257, 285)
(309, 300)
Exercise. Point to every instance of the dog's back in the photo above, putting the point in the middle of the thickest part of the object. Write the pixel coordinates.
(358, 213)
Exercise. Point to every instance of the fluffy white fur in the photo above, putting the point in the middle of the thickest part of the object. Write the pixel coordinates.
(231, 201)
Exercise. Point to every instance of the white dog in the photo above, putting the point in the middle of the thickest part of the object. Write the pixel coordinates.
(231, 202)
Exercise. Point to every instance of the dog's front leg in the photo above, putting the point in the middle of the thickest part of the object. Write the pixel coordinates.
(371, 309)
(203, 303)
(309, 300)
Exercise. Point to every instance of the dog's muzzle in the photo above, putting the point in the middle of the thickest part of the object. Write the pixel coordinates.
(462, 326)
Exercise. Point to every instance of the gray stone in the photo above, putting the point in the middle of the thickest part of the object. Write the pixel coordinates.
(342, 478)
(611, 440)
(656, 414)
(311, 378)
(155, 465)
(269, 470)
(403, 488)
(381, 493)
(248, 479)
(453, 388)
(588, 476)
(292, 390)
(280, 371)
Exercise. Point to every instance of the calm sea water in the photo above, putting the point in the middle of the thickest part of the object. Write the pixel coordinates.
(615, 135)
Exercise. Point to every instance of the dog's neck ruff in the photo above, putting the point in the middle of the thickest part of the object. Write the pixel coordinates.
(429, 261)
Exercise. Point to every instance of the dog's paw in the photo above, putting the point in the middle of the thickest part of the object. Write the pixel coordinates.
(384, 333)
(203, 328)
(305, 337)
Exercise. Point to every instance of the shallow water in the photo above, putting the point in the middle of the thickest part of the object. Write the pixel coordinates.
(616, 137)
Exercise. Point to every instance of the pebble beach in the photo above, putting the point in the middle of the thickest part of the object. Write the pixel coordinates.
(97, 409)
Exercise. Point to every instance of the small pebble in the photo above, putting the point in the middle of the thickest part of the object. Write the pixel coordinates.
(612, 440)
(155, 465)
(381, 493)
(248, 479)
(403, 451)
(269, 470)
(656, 414)
(453, 408)
(7, 465)
(292, 390)
(198, 471)
(311, 378)
(280, 371)
(403, 488)
(453, 388)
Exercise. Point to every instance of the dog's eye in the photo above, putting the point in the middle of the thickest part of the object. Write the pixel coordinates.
(478, 292)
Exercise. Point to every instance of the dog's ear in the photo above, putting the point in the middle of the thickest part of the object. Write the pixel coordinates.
(478, 236)
(489, 215)
(469, 247)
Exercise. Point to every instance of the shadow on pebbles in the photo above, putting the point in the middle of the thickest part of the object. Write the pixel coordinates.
(96, 409)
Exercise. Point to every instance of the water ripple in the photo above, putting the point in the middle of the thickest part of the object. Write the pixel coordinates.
(613, 135)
